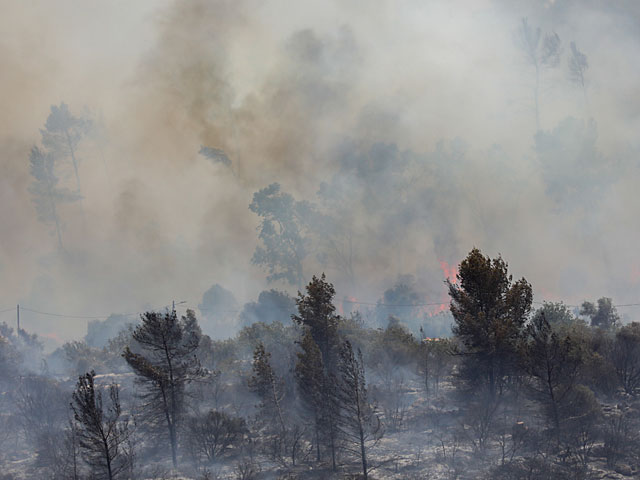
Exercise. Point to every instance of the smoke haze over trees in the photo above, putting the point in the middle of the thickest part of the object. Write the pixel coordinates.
(253, 209)
(408, 132)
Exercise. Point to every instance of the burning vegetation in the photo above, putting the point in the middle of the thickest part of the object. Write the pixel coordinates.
(267, 221)
(512, 392)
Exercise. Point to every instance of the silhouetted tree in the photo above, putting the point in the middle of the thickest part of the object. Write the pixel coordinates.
(284, 244)
(61, 134)
(166, 364)
(46, 193)
(101, 431)
(604, 315)
(540, 53)
(578, 66)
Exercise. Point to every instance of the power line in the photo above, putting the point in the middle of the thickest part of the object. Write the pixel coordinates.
(84, 317)
(376, 304)
(354, 302)
(79, 317)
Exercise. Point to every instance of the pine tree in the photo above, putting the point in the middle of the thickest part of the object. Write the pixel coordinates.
(269, 389)
(101, 431)
(359, 423)
(318, 392)
(165, 367)
(316, 312)
(490, 312)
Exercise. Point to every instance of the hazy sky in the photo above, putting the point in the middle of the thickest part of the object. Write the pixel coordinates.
(285, 89)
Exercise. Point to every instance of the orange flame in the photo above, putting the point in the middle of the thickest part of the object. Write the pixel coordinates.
(347, 304)
(450, 271)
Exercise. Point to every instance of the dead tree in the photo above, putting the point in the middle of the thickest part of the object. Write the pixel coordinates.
(101, 431)
(359, 423)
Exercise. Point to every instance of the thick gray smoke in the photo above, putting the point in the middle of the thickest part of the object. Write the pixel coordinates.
(413, 122)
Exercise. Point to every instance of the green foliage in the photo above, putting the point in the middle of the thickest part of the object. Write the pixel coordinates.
(316, 313)
(490, 312)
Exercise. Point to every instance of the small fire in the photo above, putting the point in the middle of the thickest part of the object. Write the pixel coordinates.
(348, 304)
(450, 271)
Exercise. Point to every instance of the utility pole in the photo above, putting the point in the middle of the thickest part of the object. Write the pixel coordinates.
(18, 317)
(173, 304)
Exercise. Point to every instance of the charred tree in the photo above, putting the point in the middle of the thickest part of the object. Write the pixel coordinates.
(166, 364)
(359, 425)
(101, 431)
